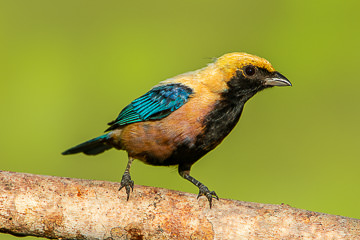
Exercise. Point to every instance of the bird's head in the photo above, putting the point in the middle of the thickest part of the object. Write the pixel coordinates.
(247, 74)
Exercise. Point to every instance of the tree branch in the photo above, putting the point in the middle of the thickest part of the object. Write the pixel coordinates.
(55, 207)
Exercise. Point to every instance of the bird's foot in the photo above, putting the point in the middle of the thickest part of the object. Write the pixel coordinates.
(203, 190)
(127, 183)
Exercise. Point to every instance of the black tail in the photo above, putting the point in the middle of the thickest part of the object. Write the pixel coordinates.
(91, 147)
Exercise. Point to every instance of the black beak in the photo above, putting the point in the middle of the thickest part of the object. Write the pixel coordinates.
(277, 79)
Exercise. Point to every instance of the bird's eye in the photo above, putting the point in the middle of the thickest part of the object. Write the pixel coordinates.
(250, 70)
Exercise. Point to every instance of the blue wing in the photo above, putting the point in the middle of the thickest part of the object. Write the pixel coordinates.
(156, 104)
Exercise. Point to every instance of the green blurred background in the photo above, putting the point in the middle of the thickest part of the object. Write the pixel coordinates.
(69, 67)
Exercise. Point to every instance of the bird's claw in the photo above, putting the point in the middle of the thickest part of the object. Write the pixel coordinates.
(204, 191)
(127, 183)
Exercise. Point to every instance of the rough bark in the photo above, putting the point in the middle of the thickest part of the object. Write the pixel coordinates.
(55, 207)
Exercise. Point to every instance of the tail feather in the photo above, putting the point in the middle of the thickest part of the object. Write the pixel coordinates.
(91, 147)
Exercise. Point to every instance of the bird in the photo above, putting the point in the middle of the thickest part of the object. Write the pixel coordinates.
(182, 118)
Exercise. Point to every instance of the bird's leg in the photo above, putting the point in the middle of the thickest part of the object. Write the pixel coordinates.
(126, 179)
(203, 190)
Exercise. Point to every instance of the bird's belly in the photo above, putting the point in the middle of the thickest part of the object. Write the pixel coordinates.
(162, 142)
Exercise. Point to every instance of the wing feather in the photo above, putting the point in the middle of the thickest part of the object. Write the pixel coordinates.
(156, 104)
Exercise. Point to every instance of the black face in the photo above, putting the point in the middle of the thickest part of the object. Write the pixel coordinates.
(247, 81)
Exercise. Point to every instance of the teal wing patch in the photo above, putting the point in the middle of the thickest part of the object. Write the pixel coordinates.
(156, 104)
